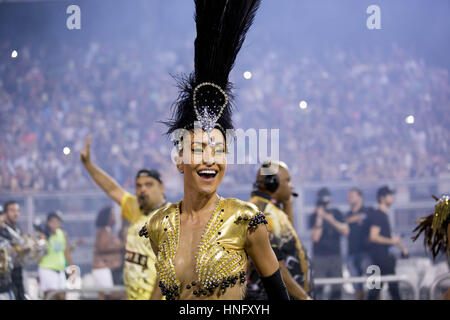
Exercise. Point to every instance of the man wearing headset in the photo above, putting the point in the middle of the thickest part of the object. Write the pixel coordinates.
(273, 187)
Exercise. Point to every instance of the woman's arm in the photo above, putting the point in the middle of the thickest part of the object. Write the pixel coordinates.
(260, 251)
(67, 254)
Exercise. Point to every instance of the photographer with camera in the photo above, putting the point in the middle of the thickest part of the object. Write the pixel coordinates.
(327, 225)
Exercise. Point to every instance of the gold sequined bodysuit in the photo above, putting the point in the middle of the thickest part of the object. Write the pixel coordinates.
(221, 259)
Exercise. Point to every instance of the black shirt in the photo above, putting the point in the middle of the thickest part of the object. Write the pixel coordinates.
(329, 243)
(380, 219)
(358, 237)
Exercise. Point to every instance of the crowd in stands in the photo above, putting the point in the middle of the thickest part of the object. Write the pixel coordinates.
(353, 128)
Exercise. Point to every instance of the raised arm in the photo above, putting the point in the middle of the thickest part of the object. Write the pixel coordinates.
(260, 251)
(101, 178)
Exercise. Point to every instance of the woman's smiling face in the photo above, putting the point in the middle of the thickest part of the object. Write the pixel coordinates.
(203, 164)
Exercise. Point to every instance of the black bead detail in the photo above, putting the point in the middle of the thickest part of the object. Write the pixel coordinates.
(170, 293)
(143, 232)
(256, 220)
(209, 289)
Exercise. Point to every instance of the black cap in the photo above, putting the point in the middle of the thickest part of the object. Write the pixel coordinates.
(384, 191)
(55, 214)
(149, 173)
(323, 192)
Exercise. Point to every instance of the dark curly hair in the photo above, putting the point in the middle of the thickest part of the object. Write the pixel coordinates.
(103, 217)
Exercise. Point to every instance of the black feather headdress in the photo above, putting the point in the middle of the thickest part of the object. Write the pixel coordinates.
(435, 227)
(205, 96)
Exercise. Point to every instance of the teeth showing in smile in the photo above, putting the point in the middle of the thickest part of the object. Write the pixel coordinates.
(207, 173)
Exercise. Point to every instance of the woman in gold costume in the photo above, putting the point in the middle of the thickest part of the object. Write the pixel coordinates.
(202, 242)
(436, 230)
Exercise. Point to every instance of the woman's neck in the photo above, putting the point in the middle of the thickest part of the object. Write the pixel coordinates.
(194, 203)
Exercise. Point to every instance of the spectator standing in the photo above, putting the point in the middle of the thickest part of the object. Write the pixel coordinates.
(108, 252)
(357, 239)
(52, 266)
(382, 240)
(327, 226)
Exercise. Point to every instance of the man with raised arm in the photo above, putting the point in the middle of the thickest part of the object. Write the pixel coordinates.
(139, 269)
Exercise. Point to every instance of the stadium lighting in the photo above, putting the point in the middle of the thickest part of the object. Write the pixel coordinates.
(66, 151)
(14, 54)
(303, 105)
(409, 120)
(247, 75)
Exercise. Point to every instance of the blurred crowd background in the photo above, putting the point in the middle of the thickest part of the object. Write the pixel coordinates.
(355, 126)
(353, 105)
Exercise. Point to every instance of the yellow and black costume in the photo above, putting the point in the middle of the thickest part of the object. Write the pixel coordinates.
(285, 244)
(139, 271)
(221, 259)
